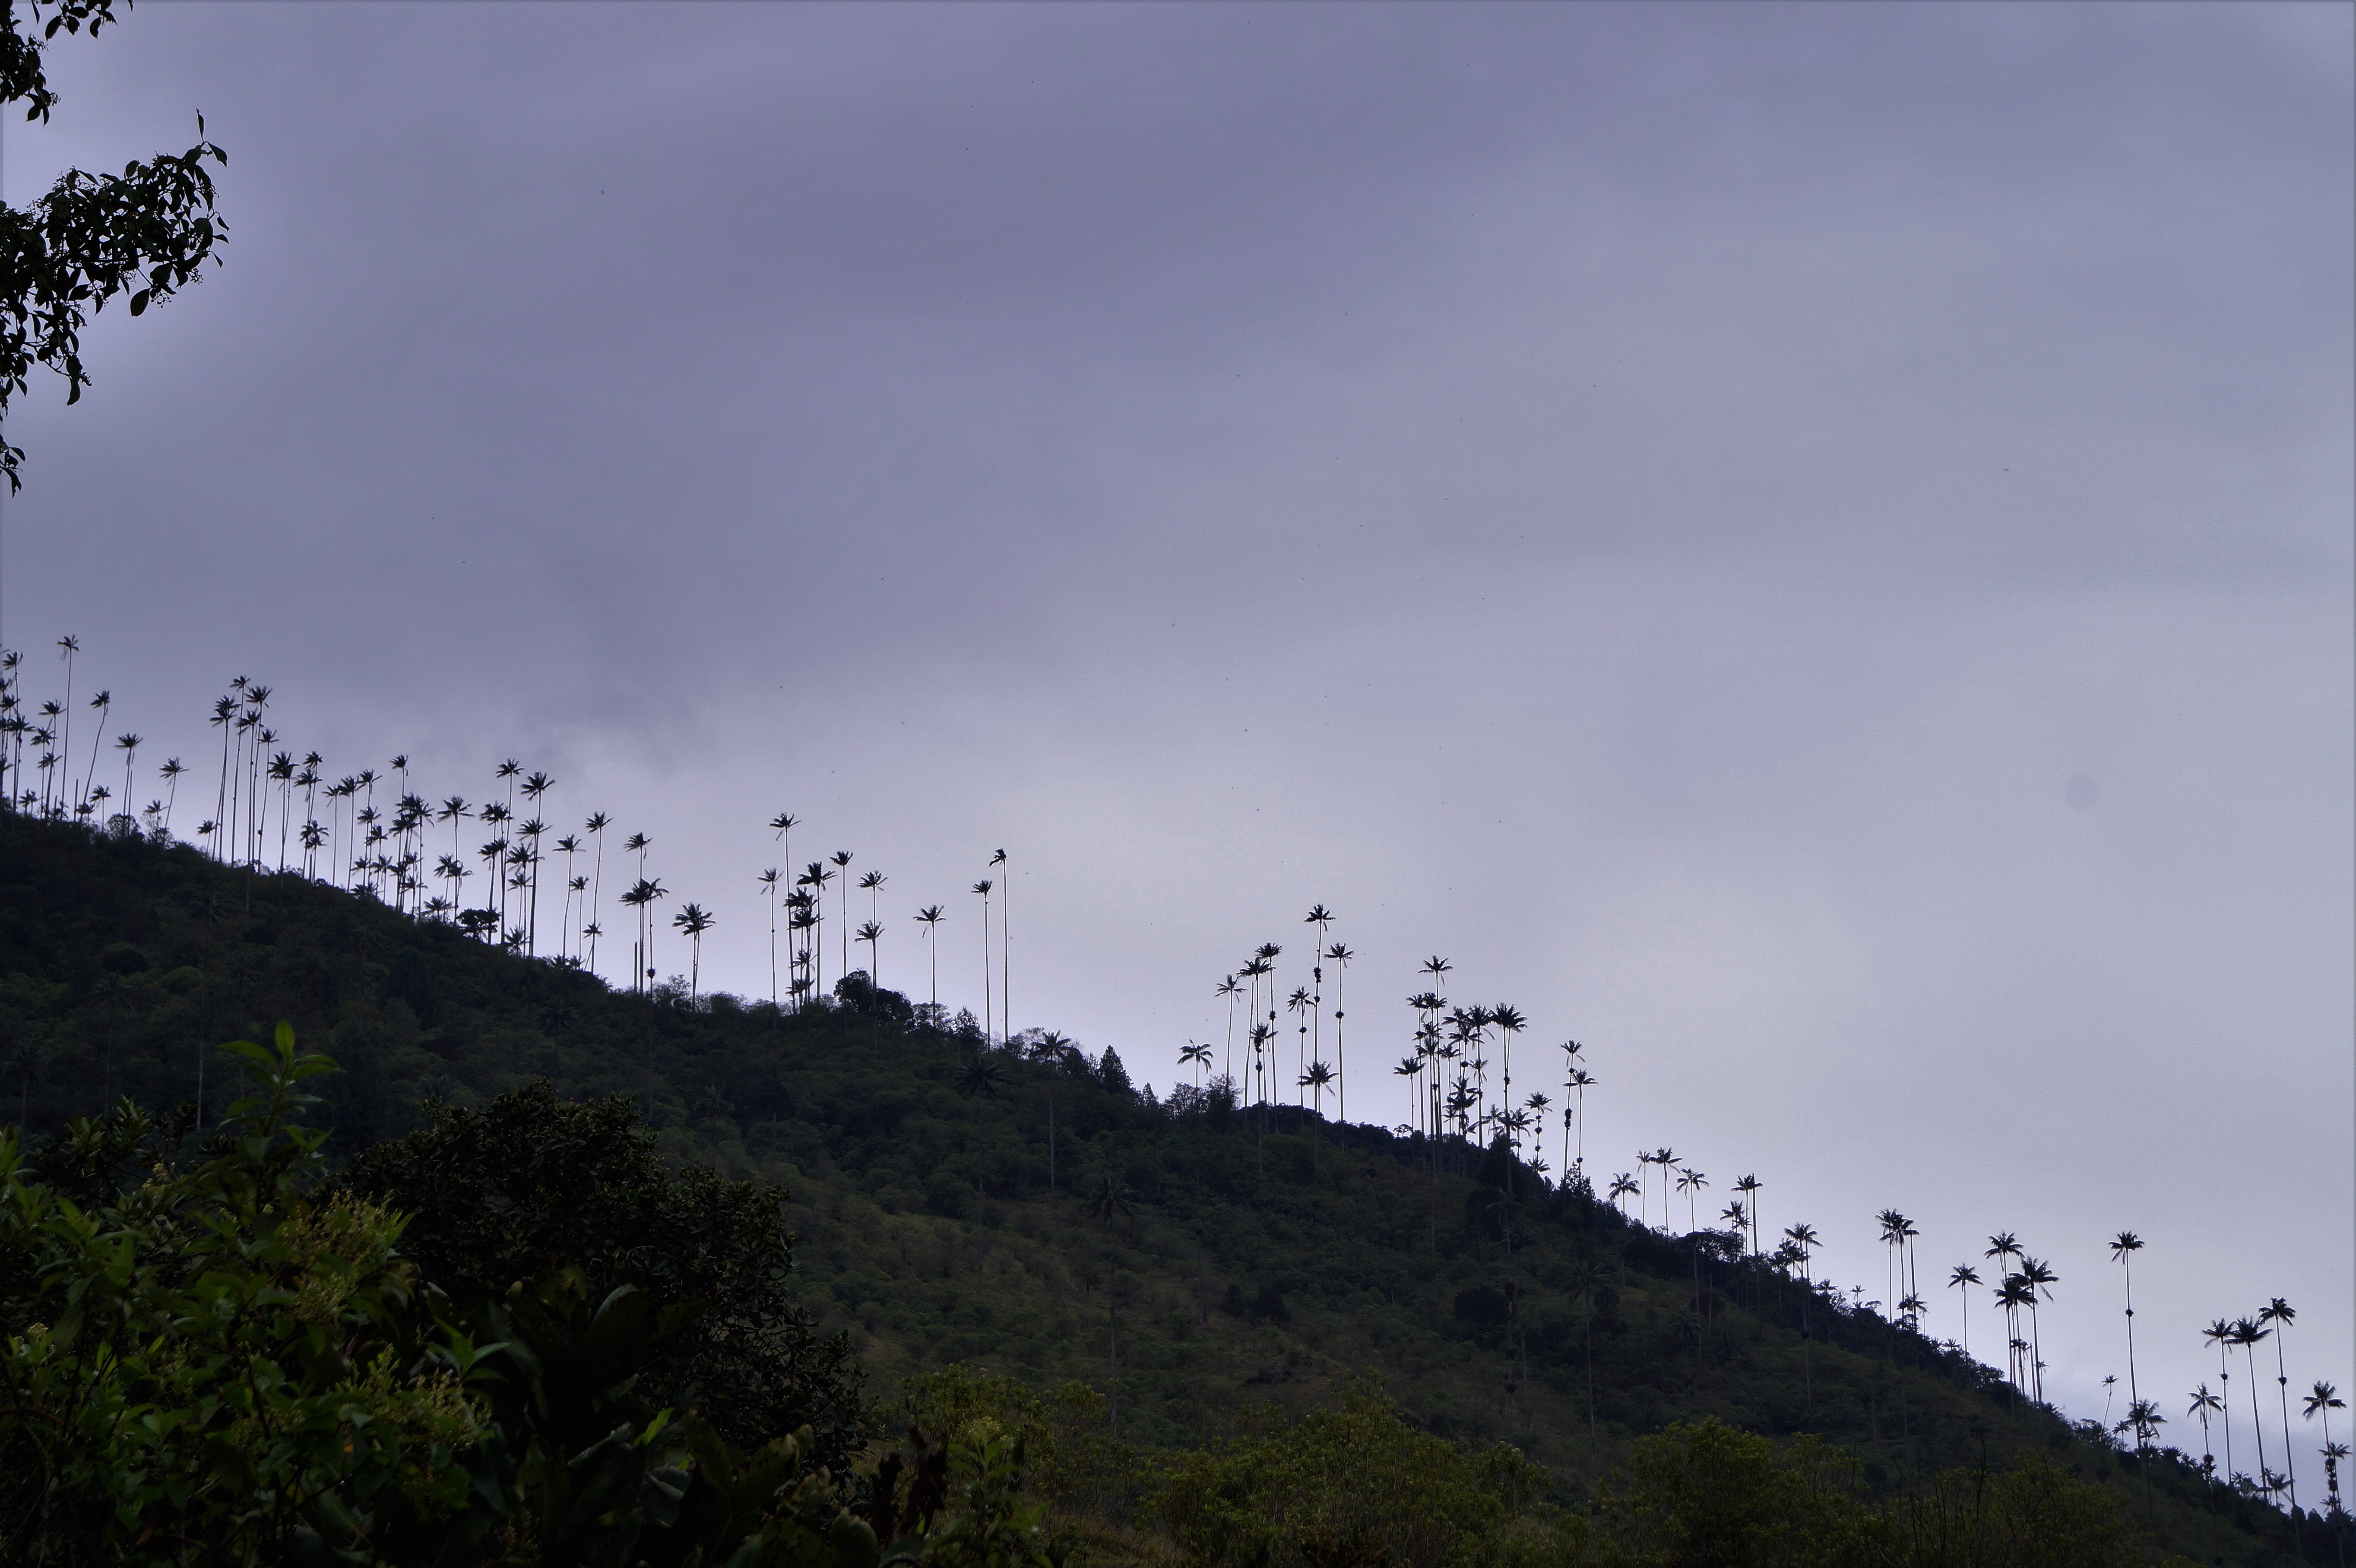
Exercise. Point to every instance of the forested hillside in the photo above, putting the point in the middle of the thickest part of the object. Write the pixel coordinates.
(1204, 1269)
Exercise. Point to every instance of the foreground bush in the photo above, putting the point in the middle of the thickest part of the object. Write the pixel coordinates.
(235, 1365)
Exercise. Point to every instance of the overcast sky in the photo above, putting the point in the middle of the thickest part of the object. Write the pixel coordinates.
(1657, 504)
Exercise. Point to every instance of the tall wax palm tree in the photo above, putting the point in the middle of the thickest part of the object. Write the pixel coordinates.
(595, 827)
(68, 646)
(1340, 956)
(929, 917)
(2282, 1315)
(801, 923)
(842, 864)
(818, 879)
(2041, 1279)
(1510, 1022)
(694, 920)
(1321, 917)
(128, 744)
(1301, 1005)
(529, 868)
(2246, 1333)
(2014, 1294)
(99, 704)
(2124, 1247)
(570, 847)
(1748, 1186)
(1690, 1182)
(1624, 1187)
(768, 881)
(1261, 1035)
(1267, 954)
(1230, 990)
(2004, 1246)
(1893, 1230)
(637, 899)
(1664, 1159)
(983, 887)
(2220, 1333)
(871, 883)
(1965, 1275)
(1255, 969)
(1581, 1082)
(535, 786)
(1005, 947)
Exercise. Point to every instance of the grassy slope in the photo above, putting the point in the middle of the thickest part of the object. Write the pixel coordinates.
(928, 1230)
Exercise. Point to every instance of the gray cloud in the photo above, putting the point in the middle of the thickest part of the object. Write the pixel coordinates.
(1656, 503)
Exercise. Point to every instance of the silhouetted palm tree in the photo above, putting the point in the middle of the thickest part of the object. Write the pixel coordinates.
(1624, 1187)
(1340, 956)
(843, 863)
(2220, 1333)
(170, 772)
(1580, 1082)
(1965, 1275)
(128, 745)
(2281, 1314)
(2246, 1334)
(2322, 1402)
(1005, 947)
(983, 887)
(2205, 1404)
(2124, 1247)
(929, 917)
(694, 920)
(872, 934)
(768, 881)
(2041, 1279)
(1230, 990)
(591, 929)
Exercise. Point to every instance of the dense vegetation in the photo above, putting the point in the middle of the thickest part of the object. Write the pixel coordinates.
(1197, 1291)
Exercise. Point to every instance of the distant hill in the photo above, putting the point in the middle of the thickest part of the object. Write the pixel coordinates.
(1192, 1260)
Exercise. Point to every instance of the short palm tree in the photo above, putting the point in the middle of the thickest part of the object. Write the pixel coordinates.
(694, 920)
(872, 934)
(2205, 1404)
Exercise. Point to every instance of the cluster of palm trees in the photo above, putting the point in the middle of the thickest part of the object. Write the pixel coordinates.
(1254, 983)
(2272, 1321)
(275, 809)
